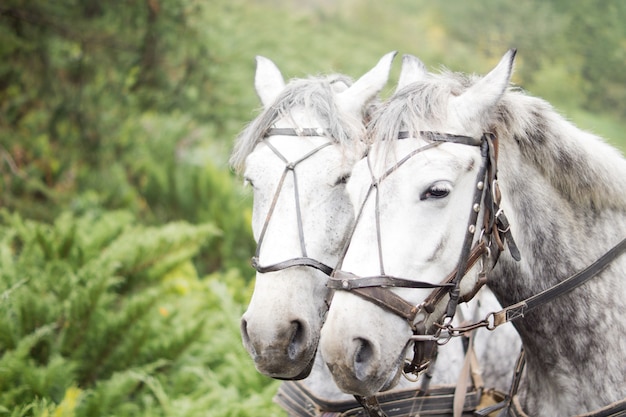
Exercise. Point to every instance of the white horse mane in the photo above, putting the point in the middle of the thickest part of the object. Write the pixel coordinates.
(580, 165)
(315, 95)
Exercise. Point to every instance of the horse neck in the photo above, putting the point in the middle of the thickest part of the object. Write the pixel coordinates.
(562, 225)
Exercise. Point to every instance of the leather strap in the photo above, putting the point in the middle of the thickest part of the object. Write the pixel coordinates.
(389, 301)
(518, 310)
(507, 403)
(433, 298)
(615, 409)
(290, 263)
(371, 406)
(618, 408)
(441, 137)
(466, 249)
(348, 281)
(294, 397)
(303, 260)
(288, 131)
(438, 401)
(463, 382)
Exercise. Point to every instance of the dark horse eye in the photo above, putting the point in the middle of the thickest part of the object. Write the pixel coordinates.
(436, 191)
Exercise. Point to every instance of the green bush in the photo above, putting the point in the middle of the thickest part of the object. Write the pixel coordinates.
(100, 316)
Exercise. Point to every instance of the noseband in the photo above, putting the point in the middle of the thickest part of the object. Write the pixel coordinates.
(303, 260)
(490, 242)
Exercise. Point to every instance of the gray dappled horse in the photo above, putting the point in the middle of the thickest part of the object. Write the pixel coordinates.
(452, 153)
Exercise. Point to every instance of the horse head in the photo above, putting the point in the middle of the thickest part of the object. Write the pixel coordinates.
(414, 197)
(296, 155)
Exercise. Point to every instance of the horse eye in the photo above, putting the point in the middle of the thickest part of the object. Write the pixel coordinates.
(435, 191)
(248, 181)
(342, 180)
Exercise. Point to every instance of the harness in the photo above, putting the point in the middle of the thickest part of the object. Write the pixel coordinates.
(303, 260)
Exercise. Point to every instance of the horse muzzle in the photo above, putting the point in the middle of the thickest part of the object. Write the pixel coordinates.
(286, 351)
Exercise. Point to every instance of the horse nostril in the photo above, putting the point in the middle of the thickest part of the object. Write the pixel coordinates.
(245, 337)
(363, 356)
(298, 339)
(364, 351)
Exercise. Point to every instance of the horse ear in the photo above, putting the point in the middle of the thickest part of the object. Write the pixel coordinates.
(353, 100)
(488, 90)
(413, 70)
(268, 81)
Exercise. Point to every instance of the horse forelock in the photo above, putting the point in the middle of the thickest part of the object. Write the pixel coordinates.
(316, 96)
(416, 107)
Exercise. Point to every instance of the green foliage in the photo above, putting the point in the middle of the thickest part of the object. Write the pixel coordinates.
(185, 179)
(104, 317)
(585, 42)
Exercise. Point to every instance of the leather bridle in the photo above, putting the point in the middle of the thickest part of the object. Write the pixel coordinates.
(303, 260)
(489, 241)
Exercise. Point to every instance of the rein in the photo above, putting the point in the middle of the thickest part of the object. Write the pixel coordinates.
(518, 310)
(303, 260)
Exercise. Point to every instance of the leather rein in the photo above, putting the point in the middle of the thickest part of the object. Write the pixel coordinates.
(303, 260)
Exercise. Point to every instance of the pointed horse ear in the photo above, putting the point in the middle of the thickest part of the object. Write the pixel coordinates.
(268, 81)
(487, 91)
(413, 70)
(354, 99)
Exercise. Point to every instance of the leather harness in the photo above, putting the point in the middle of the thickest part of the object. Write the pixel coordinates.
(303, 260)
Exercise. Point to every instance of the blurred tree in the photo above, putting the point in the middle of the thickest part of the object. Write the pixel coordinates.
(59, 93)
(596, 33)
(82, 84)
(492, 27)
(586, 39)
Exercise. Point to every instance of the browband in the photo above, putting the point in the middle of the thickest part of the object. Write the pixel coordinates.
(442, 137)
(288, 131)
